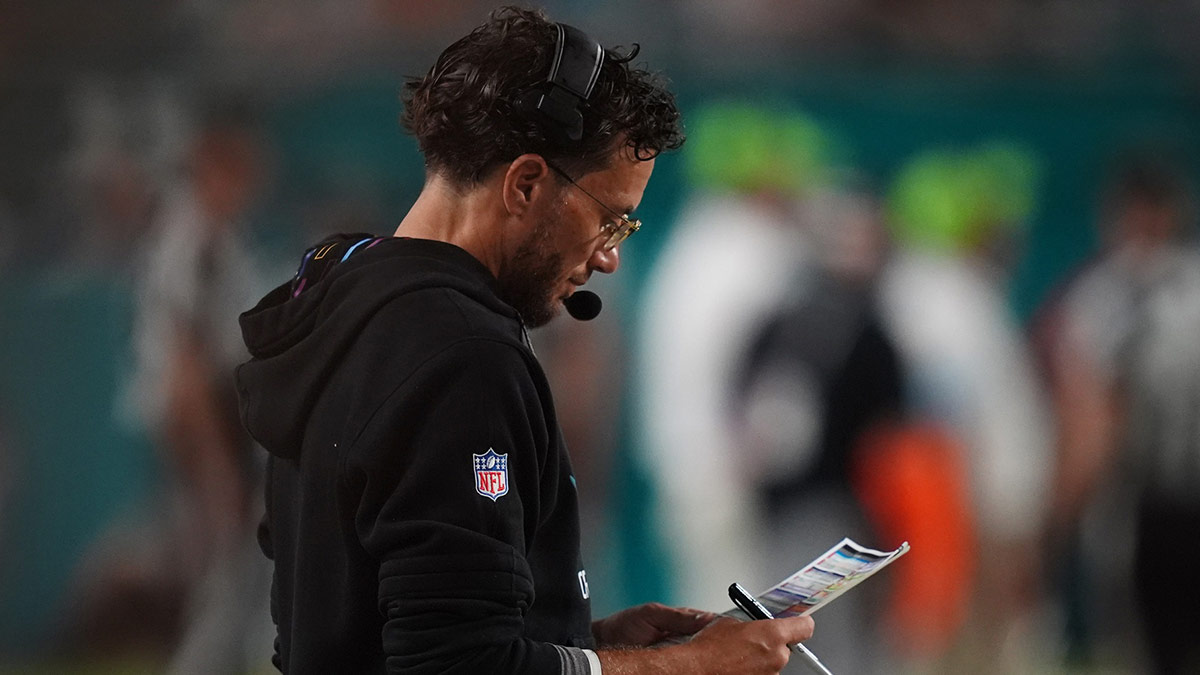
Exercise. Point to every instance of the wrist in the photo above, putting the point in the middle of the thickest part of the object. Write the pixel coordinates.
(649, 661)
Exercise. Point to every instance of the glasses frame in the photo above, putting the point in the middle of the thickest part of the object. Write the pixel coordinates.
(619, 233)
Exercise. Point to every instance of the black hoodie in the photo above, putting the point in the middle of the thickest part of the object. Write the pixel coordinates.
(421, 510)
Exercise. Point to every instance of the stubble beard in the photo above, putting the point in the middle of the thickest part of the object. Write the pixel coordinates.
(528, 285)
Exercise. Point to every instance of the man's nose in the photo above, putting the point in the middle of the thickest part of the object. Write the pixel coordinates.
(606, 261)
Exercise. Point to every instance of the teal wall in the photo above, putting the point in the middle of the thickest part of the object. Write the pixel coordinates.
(72, 469)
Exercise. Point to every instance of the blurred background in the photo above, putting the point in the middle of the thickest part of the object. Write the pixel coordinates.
(924, 271)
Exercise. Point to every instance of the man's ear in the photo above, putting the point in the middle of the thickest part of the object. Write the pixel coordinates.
(525, 181)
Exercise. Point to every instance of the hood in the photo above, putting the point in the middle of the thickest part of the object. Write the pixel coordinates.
(301, 331)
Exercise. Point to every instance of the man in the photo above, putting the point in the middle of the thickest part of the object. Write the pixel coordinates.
(421, 509)
(1119, 339)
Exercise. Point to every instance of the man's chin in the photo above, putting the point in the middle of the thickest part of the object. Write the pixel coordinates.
(536, 318)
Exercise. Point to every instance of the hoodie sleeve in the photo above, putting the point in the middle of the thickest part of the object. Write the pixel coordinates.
(451, 469)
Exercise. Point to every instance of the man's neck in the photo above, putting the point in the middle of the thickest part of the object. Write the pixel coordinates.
(466, 217)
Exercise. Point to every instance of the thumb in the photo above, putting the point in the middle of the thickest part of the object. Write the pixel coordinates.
(796, 628)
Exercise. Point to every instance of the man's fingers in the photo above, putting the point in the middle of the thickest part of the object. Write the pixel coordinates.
(796, 628)
(681, 620)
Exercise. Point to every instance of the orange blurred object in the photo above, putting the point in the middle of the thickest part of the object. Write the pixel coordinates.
(913, 483)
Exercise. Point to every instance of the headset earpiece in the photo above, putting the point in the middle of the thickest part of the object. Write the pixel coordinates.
(557, 105)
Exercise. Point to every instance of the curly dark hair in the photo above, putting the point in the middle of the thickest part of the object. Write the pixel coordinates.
(464, 117)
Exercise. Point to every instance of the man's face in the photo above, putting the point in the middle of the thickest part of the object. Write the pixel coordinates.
(566, 243)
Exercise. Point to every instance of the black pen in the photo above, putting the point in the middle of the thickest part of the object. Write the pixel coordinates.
(751, 606)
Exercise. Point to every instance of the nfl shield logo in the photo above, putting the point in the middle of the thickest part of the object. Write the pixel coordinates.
(491, 474)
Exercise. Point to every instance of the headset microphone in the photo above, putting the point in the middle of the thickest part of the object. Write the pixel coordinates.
(583, 305)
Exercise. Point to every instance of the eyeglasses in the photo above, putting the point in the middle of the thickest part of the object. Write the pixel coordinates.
(618, 231)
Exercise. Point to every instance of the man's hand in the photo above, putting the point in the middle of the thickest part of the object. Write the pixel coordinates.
(649, 624)
(731, 646)
(725, 646)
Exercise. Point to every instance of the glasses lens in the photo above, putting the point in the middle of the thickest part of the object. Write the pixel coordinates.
(621, 232)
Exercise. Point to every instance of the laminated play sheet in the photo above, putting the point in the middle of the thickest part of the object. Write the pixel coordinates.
(834, 572)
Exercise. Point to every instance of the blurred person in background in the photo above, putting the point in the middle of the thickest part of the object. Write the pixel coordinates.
(763, 370)
(197, 274)
(956, 218)
(728, 262)
(1123, 359)
(422, 512)
(819, 380)
(69, 279)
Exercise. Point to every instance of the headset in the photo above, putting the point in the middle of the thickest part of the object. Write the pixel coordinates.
(557, 104)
